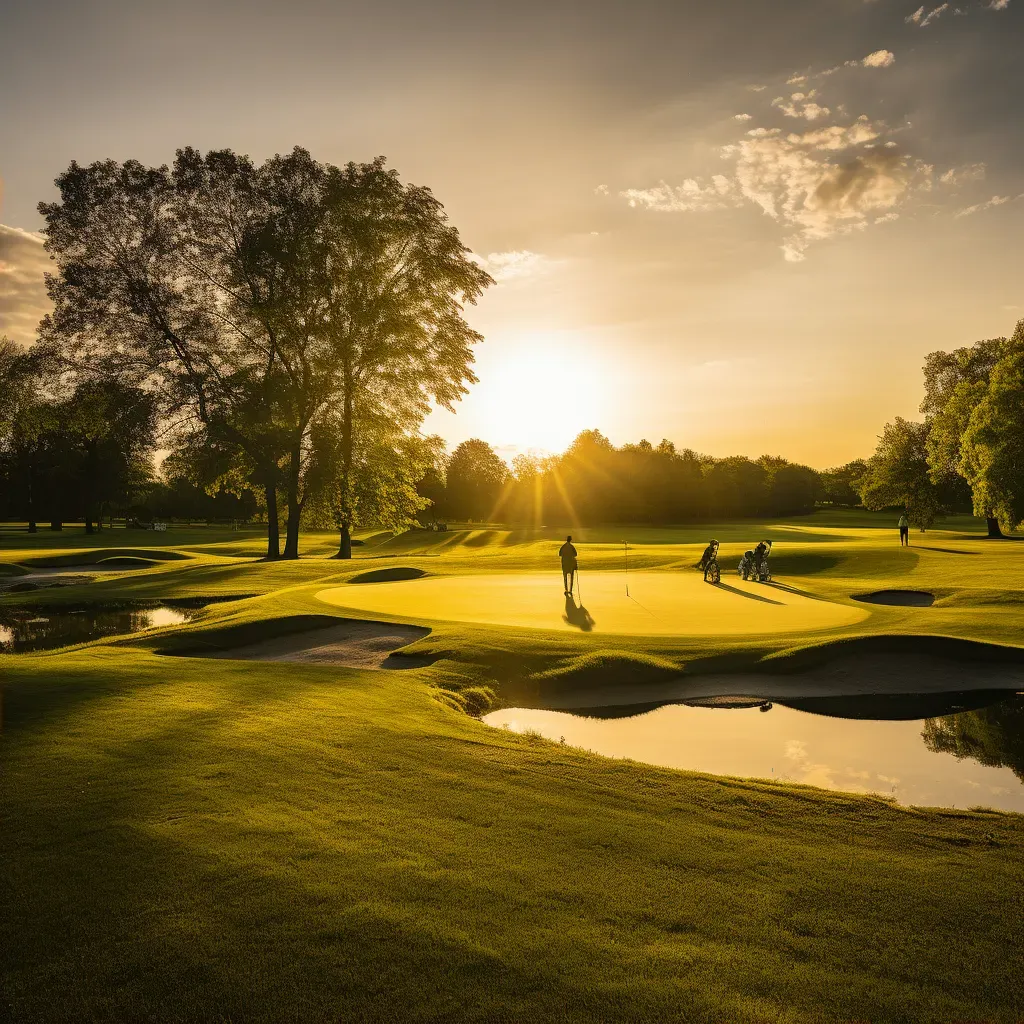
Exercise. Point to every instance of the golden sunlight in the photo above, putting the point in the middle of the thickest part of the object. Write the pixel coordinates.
(539, 393)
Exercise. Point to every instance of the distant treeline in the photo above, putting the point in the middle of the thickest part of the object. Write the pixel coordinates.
(83, 452)
(595, 482)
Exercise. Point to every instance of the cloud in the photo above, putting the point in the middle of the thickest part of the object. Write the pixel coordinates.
(816, 184)
(516, 263)
(23, 300)
(689, 197)
(837, 136)
(799, 181)
(923, 17)
(801, 105)
(879, 59)
(962, 175)
(742, 117)
(978, 207)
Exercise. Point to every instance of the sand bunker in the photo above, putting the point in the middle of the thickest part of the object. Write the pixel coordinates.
(659, 603)
(350, 643)
(906, 598)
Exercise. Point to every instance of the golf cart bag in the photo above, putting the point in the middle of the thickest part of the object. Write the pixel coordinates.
(709, 563)
(754, 564)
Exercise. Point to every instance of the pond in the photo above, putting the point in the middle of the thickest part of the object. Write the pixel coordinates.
(45, 628)
(902, 747)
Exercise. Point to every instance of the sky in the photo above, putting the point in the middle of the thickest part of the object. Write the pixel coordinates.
(738, 225)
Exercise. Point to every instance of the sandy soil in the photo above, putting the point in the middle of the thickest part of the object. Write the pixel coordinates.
(352, 644)
(658, 604)
(856, 674)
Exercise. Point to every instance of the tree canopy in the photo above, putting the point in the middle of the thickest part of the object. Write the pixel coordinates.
(261, 303)
(897, 474)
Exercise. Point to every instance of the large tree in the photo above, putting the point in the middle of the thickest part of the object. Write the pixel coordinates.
(393, 283)
(992, 446)
(255, 300)
(956, 383)
(374, 483)
(897, 474)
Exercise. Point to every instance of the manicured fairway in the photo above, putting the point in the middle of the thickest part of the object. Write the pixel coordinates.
(210, 839)
(658, 603)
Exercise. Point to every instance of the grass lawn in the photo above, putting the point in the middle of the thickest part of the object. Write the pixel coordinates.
(193, 839)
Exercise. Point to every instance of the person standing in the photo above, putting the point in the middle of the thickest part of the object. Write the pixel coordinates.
(567, 553)
(904, 531)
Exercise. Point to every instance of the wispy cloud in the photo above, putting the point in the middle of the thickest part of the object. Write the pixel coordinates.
(23, 299)
(957, 176)
(922, 18)
(801, 105)
(514, 264)
(692, 195)
(978, 207)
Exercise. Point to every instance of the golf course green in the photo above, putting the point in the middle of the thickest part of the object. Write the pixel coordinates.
(644, 603)
(287, 808)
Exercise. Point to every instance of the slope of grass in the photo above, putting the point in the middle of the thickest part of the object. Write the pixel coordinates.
(197, 840)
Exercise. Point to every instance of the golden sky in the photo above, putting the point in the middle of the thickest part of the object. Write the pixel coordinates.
(739, 225)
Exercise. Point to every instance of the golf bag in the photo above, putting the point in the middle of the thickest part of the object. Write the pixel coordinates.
(754, 564)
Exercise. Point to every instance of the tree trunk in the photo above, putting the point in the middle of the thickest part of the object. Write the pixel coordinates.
(291, 541)
(32, 527)
(56, 524)
(273, 528)
(993, 527)
(88, 523)
(344, 541)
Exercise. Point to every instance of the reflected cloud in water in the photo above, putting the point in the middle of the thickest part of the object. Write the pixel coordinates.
(945, 750)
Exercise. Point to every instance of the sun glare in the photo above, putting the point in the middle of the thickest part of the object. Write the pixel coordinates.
(539, 393)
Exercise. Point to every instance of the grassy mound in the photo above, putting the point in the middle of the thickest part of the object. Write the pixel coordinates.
(803, 564)
(945, 647)
(129, 561)
(8, 569)
(93, 556)
(392, 574)
(606, 667)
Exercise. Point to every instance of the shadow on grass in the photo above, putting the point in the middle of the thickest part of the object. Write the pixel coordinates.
(744, 593)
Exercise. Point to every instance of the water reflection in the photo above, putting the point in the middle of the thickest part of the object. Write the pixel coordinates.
(40, 629)
(895, 754)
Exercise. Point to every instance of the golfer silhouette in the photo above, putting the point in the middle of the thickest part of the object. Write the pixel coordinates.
(567, 553)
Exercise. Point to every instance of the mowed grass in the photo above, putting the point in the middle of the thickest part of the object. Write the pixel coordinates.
(206, 840)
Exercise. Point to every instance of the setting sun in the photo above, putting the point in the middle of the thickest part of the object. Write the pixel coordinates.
(537, 392)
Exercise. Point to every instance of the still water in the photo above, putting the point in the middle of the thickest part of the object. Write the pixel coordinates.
(40, 629)
(973, 758)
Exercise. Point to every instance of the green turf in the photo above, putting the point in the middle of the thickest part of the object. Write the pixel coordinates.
(194, 840)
